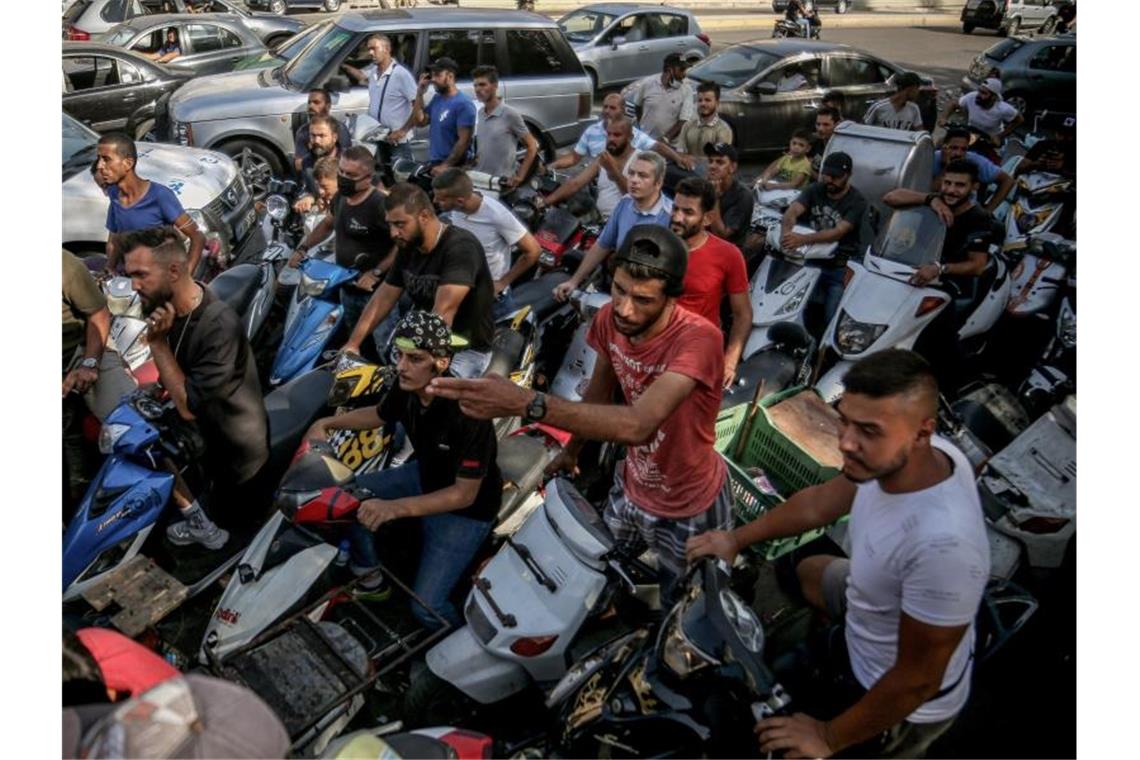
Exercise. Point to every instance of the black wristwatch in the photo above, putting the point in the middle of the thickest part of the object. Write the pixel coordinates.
(930, 198)
(536, 409)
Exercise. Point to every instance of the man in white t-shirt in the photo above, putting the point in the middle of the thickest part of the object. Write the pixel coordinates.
(911, 589)
(609, 168)
(899, 111)
(986, 111)
(496, 228)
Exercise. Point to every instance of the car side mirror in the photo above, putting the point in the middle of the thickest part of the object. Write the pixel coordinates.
(617, 41)
(338, 83)
(763, 88)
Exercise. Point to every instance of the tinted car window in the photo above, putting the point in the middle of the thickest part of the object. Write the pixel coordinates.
(733, 67)
(469, 48)
(204, 38)
(120, 35)
(90, 72)
(583, 26)
(76, 10)
(114, 12)
(1055, 58)
(666, 25)
(1004, 49)
(539, 52)
(854, 72)
(301, 70)
(129, 73)
(798, 75)
(625, 27)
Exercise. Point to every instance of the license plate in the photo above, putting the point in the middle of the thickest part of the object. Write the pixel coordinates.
(244, 225)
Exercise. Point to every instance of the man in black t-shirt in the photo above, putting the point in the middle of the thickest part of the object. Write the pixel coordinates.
(453, 484)
(362, 237)
(205, 363)
(443, 269)
(733, 213)
(835, 209)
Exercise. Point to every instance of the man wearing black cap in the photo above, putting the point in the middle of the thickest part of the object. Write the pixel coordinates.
(899, 111)
(733, 212)
(450, 114)
(666, 101)
(835, 210)
(670, 364)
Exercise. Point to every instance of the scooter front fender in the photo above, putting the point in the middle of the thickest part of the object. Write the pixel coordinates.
(463, 662)
(830, 386)
(307, 337)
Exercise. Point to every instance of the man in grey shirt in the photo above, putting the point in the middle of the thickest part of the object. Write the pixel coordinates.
(498, 131)
(899, 111)
(666, 100)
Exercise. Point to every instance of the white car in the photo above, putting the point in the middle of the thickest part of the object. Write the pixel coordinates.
(207, 183)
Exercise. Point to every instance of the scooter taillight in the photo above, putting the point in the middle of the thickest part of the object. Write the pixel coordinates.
(467, 744)
(928, 304)
(329, 505)
(532, 646)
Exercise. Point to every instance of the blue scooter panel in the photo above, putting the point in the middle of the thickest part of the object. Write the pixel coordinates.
(138, 436)
(301, 347)
(123, 499)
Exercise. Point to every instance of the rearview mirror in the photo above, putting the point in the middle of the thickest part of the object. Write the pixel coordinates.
(617, 41)
(763, 88)
(338, 83)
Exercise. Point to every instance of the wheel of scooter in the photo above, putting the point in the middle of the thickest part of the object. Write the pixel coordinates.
(432, 701)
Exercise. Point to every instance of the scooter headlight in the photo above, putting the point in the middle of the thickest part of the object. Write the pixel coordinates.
(681, 655)
(277, 207)
(311, 286)
(321, 333)
(856, 337)
(743, 621)
(110, 435)
(793, 304)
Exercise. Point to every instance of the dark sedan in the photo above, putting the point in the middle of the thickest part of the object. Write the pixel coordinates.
(1037, 73)
(270, 28)
(770, 88)
(111, 89)
(210, 43)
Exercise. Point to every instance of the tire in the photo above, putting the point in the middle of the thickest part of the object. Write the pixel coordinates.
(778, 33)
(842, 6)
(431, 701)
(257, 161)
(332, 6)
(276, 40)
(1020, 102)
(967, 28)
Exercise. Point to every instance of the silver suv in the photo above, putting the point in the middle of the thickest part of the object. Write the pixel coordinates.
(621, 42)
(252, 115)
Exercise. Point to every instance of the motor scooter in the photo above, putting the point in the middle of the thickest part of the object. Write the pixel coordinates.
(881, 309)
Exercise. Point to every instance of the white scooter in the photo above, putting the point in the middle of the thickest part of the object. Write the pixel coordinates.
(1046, 268)
(769, 206)
(578, 364)
(880, 309)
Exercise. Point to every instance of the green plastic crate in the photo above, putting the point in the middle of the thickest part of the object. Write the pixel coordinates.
(728, 422)
(749, 502)
(782, 459)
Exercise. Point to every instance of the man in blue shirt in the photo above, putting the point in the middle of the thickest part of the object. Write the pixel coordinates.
(956, 147)
(643, 204)
(136, 203)
(450, 117)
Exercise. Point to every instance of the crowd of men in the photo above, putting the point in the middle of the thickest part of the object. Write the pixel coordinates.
(428, 293)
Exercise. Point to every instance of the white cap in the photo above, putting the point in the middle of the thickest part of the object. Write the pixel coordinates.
(993, 85)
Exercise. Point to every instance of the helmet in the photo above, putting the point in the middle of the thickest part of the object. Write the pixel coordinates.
(659, 249)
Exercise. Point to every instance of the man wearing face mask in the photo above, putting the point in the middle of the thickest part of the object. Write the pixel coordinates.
(362, 239)
(450, 117)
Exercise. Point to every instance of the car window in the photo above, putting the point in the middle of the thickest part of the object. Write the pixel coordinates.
(583, 26)
(663, 25)
(151, 41)
(129, 73)
(798, 75)
(301, 71)
(469, 48)
(849, 71)
(627, 26)
(733, 67)
(1004, 49)
(539, 52)
(207, 38)
(114, 11)
(75, 10)
(1055, 58)
(294, 44)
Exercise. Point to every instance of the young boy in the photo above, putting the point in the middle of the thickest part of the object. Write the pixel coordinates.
(791, 170)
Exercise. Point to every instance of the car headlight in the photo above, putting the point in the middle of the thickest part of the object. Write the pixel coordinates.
(743, 620)
(856, 337)
(793, 303)
(312, 287)
(680, 654)
(277, 207)
(110, 435)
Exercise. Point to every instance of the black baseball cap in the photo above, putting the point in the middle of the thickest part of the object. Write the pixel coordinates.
(721, 149)
(907, 79)
(675, 59)
(836, 164)
(444, 64)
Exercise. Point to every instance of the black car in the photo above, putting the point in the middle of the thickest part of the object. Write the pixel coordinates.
(1037, 73)
(840, 6)
(112, 89)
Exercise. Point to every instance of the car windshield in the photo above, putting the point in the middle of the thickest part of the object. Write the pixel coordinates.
(120, 35)
(301, 71)
(734, 66)
(78, 146)
(289, 49)
(913, 237)
(583, 26)
(1004, 49)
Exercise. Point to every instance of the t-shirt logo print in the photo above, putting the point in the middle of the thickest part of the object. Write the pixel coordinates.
(443, 115)
(825, 217)
(355, 226)
(421, 286)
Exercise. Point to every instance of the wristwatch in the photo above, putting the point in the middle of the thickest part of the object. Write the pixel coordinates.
(89, 363)
(536, 409)
(930, 198)
(941, 269)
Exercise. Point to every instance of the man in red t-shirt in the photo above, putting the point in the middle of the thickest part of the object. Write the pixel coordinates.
(716, 268)
(669, 362)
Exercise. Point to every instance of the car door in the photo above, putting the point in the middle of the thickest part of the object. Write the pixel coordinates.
(96, 92)
(667, 34)
(771, 115)
(1052, 77)
(861, 79)
(623, 43)
(212, 48)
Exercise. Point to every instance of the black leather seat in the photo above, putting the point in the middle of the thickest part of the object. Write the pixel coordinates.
(539, 294)
(292, 408)
(237, 286)
(520, 457)
(506, 350)
(775, 369)
(419, 746)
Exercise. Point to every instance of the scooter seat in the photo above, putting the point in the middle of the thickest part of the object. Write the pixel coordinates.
(417, 745)
(506, 350)
(775, 369)
(539, 294)
(521, 460)
(292, 408)
(237, 286)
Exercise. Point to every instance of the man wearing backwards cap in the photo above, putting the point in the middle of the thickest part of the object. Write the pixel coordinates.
(835, 210)
(450, 114)
(670, 364)
(453, 484)
(986, 110)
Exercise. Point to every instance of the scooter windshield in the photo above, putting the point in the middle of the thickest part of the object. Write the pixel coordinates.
(914, 237)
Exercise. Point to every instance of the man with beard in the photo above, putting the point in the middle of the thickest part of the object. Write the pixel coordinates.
(137, 203)
(609, 168)
(453, 486)
(707, 128)
(322, 143)
(715, 269)
(986, 111)
(319, 104)
(672, 484)
(970, 233)
(835, 210)
(362, 238)
(443, 269)
(644, 204)
(665, 100)
(826, 119)
(956, 147)
(450, 117)
(908, 595)
(206, 366)
(592, 143)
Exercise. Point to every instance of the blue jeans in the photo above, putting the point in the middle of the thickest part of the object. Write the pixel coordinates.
(450, 543)
(354, 302)
(829, 291)
(503, 305)
(805, 27)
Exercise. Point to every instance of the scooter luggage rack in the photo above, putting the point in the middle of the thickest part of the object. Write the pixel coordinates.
(322, 658)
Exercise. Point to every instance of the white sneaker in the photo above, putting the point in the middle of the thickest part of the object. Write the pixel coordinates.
(197, 531)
